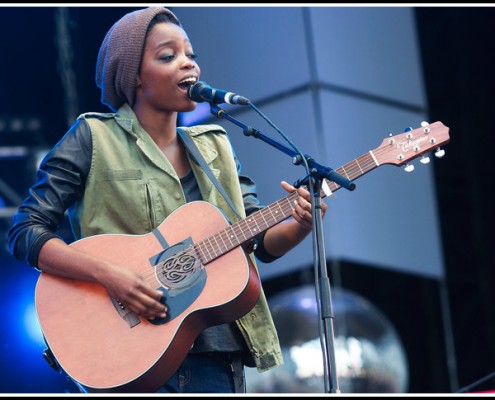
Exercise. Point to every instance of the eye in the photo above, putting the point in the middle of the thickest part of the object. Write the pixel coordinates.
(167, 57)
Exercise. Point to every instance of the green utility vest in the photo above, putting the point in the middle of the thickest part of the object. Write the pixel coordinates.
(132, 188)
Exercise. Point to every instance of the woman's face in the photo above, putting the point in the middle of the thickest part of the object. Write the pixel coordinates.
(168, 68)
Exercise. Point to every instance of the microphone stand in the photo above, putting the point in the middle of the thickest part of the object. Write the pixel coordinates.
(317, 173)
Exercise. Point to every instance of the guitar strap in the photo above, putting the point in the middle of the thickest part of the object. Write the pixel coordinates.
(193, 150)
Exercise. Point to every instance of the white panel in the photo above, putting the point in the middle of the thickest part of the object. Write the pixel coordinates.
(253, 51)
(369, 49)
(391, 218)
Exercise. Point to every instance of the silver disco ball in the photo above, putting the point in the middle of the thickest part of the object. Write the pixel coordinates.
(369, 356)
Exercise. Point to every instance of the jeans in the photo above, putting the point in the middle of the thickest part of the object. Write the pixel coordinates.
(207, 373)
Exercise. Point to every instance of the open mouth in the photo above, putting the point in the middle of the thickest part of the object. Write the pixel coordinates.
(185, 84)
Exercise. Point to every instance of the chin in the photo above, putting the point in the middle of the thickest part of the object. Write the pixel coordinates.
(191, 107)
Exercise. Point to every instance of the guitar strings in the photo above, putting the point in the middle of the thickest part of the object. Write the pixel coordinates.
(366, 163)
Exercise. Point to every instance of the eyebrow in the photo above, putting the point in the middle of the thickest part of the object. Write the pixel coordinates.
(170, 42)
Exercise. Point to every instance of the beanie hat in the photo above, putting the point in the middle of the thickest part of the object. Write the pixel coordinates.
(120, 55)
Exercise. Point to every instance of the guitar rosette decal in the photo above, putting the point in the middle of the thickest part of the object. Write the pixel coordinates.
(179, 271)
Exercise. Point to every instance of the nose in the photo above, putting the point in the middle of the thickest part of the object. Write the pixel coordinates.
(187, 62)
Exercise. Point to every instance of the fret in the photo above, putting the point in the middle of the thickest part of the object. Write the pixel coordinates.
(203, 250)
(364, 164)
(246, 227)
(238, 227)
(281, 211)
(342, 171)
(221, 242)
(359, 166)
(289, 203)
(211, 248)
(266, 224)
(222, 234)
(232, 236)
(255, 225)
(271, 213)
(216, 245)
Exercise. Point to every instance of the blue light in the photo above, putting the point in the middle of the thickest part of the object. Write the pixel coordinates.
(31, 325)
(23, 330)
(200, 114)
(22, 366)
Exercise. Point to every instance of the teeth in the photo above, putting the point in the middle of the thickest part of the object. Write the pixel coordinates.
(187, 81)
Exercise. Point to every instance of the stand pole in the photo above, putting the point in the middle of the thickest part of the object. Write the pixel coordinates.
(323, 291)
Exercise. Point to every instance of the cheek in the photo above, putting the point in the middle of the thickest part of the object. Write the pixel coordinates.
(155, 82)
(153, 76)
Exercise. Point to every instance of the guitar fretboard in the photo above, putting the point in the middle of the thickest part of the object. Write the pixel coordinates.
(258, 222)
(353, 170)
(244, 230)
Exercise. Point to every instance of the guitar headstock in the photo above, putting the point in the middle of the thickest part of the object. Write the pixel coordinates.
(402, 148)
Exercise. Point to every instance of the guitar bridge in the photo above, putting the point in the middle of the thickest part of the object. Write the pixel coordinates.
(128, 316)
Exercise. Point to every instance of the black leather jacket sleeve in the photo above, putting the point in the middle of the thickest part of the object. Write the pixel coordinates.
(251, 204)
(59, 184)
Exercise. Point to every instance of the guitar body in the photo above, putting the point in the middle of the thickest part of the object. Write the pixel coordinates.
(103, 350)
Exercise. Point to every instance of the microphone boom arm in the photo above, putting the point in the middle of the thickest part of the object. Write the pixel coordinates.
(325, 172)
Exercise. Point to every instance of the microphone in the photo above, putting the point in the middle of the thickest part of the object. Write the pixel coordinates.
(201, 91)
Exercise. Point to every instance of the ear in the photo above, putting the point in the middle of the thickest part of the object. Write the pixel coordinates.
(138, 81)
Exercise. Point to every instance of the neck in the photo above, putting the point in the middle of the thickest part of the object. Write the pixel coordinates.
(161, 126)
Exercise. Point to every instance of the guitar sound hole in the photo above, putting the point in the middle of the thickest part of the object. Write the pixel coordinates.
(178, 268)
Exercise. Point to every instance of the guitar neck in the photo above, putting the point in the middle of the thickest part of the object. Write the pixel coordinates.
(395, 150)
(351, 171)
(246, 229)
(261, 220)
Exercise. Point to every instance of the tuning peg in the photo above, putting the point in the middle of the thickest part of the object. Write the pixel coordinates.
(409, 168)
(439, 153)
(424, 123)
(424, 160)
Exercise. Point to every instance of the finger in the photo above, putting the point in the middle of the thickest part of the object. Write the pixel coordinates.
(298, 216)
(304, 203)
(150, 304)
(302, 216)
(155, 294)
(324, 207)
(303, 193)
(287, 186)
(304, 208)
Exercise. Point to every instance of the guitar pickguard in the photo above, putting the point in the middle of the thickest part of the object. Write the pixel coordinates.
(183, 278)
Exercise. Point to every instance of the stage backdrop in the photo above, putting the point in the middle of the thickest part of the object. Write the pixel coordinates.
(336, 81)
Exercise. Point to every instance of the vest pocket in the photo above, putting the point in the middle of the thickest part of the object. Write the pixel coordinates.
(150, 211)
(116, 201)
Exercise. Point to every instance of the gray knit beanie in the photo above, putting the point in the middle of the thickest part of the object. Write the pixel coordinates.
(120, 55)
